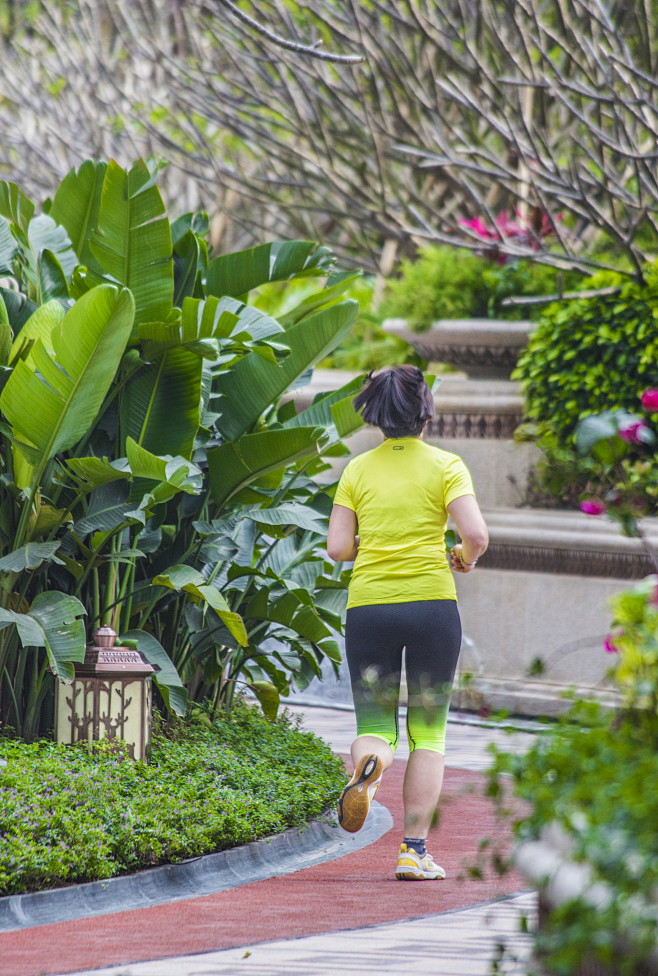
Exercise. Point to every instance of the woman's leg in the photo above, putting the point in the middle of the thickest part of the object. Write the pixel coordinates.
(373, 649)
(423, 779)
(374, 658)
(432, 650)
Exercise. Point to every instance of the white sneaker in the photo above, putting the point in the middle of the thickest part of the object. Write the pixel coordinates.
(413, 867)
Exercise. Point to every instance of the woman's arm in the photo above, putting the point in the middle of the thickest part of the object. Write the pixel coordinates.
(342, 540)
(465, 513)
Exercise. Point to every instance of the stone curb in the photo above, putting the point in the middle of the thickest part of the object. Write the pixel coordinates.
(298, 848)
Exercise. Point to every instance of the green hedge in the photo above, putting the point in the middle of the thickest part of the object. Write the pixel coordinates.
(592, 354)
(71, 814)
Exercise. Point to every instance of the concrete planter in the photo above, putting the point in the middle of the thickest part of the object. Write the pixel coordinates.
(482, 348)
(547, 863)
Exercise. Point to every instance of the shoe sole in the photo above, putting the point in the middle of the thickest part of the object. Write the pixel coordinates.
(354, 802)
(411, 876)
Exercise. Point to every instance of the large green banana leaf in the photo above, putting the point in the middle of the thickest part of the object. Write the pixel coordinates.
(51, 401)
(19, 307)
(236, 274)
(51, 279)
(132, 242)
(16, 207)
(45, 234)
(332, 292)
(166, 677)
(232, 466)
(205, 319)
(6, 335)
(40, 325)
(332, 409)
(7, 248)
(77, 203)
(186, 265)
(30, 556)
(161, 477)
(54, 622)
(189, 580)
(253, 384)
(160, 407)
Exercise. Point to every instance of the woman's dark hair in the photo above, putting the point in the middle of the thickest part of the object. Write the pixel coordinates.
(397, 399)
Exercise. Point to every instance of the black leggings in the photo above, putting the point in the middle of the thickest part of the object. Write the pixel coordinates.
(430, 630)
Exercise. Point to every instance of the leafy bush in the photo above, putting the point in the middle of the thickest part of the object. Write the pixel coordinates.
(591, 774)
(71, 814)
(590, 356)
(451, 283)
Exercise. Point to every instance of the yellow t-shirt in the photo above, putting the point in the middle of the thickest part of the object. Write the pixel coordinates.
(400, 492)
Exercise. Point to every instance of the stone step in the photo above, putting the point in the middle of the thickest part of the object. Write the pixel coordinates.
(567, 542)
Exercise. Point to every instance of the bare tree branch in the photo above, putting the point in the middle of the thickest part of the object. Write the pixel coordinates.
(289, 45)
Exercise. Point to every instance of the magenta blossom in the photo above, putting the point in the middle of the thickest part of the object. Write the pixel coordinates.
(592, 506)
(631, 431)
(609, 645)
(650, 399)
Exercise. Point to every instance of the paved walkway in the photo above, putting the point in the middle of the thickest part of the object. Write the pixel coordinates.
(343, 915)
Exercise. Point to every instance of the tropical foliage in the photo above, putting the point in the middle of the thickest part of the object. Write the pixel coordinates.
(151, 476)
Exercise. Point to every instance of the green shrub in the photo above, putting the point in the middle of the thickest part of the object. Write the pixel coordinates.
(592, 354)
(591, 774)
(453, 283)
(71, 814)
(585, 357)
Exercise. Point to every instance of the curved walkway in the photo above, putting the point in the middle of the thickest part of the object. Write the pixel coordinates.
(305, 922)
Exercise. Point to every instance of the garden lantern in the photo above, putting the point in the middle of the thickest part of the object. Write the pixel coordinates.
(110, 697)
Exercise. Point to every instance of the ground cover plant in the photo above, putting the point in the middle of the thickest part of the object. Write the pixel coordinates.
(74, 814)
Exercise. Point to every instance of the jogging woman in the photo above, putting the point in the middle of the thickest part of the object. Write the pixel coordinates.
(389, 516)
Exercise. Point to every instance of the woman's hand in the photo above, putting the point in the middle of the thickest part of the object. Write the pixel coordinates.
(472, 530)
(456, 560)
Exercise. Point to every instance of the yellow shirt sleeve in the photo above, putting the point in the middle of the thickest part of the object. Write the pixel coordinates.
(457, 481)
(343, 494)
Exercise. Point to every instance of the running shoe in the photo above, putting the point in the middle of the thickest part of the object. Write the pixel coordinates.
(413, 867)
(359, 793)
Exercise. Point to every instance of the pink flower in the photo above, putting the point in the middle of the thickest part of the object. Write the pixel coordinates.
(650, 399)
(630, 432)
(592, 506)
(480, 229)
(609, 645)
